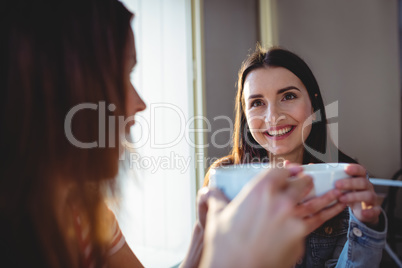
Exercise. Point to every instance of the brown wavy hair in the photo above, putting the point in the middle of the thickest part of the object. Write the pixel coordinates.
(55, 55)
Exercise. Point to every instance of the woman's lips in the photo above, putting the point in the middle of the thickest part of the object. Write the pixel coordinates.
(279, 133)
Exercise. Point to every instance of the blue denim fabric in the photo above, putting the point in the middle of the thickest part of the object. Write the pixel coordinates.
(335, 244)
(363, 250)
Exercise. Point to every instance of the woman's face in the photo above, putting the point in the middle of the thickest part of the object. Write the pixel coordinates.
(278, 110)
(134, 103)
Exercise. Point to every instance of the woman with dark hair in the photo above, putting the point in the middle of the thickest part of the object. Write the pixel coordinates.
(321, 147)
(62, 63)
(280, 118)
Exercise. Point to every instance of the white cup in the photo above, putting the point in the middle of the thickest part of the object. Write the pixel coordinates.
(324, 177)
(232, 178)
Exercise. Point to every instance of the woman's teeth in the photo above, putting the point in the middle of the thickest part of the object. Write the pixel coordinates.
(279, 132)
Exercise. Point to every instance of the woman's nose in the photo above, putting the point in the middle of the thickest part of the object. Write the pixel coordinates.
(134, 103)
(139, 103)
(273, 115)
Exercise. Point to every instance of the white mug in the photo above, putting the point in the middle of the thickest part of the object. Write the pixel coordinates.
(324, 177)
(231, 179)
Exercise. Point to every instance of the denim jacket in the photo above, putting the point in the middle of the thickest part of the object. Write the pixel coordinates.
(344, 241)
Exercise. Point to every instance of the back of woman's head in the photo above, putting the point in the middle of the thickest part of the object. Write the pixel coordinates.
(244, 143)
(55, 55)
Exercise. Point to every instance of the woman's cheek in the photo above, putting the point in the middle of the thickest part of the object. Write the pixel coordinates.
(255, 121)
(255, 127)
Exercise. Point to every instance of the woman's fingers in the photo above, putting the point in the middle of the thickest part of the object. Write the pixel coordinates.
(316, 220)
(359, 195)
(276, 180)
(316, 204)
(363, 204)
(371, 213)
(294, 169)
(209, 199)
(355, 170)
(299, 187)
(357, 184)
(368, 197)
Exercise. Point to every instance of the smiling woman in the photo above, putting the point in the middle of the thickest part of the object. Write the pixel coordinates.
(289, 99)
(280, 116)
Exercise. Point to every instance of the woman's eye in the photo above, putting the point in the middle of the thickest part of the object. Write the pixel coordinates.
(289, 96)
(256, 103)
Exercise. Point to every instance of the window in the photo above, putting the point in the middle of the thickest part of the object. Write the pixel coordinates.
(157, 210)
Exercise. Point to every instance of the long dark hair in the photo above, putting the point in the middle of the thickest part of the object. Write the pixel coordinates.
(55, 55)
(245, 148)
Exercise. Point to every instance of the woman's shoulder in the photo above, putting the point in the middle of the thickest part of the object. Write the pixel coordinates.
(224, 161)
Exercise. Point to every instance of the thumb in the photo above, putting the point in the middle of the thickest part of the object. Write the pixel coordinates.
(210, 200)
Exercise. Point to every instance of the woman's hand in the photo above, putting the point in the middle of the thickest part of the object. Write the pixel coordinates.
(193, 256)
(318, 210)
(258, 228)
(359, 195)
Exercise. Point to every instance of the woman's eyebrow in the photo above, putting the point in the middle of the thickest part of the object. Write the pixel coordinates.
(282, 90)
(255, 96)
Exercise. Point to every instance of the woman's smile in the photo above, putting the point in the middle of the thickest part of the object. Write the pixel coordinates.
(280, 132)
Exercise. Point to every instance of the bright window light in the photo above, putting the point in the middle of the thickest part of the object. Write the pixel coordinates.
(157, 210)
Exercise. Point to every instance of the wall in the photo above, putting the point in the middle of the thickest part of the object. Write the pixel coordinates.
(230, 30)
(353, 50)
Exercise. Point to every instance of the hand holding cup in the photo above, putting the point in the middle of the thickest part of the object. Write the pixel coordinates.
(260, 218)
(359, 195)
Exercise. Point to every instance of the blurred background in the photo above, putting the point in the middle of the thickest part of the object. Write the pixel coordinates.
(189, 53)
(352, 48)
